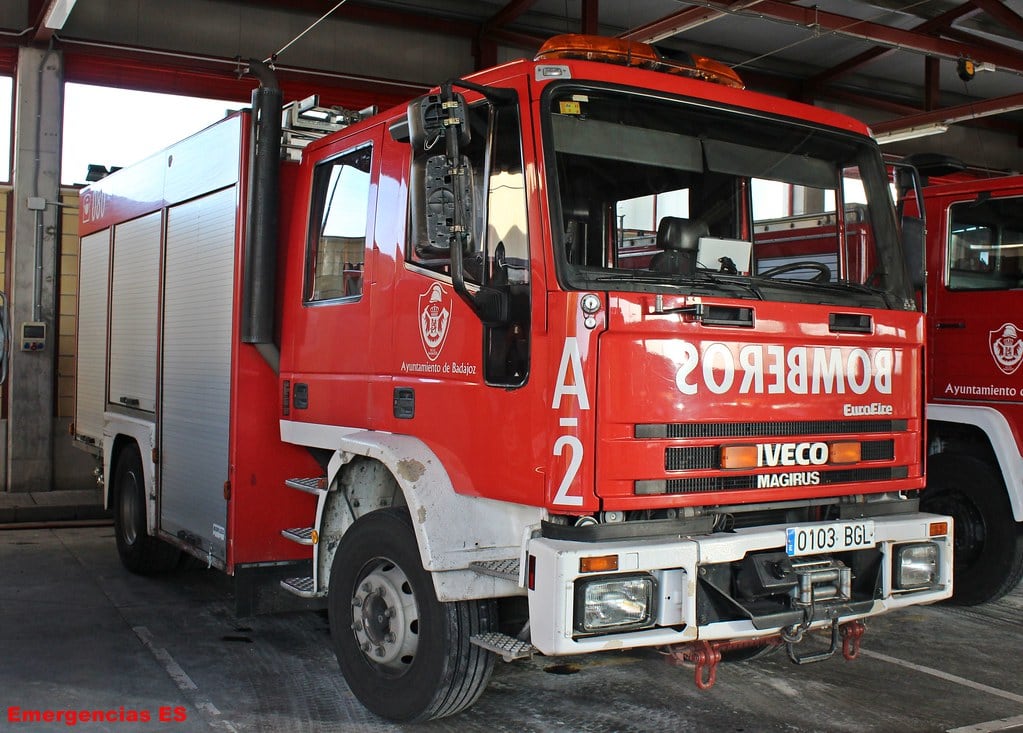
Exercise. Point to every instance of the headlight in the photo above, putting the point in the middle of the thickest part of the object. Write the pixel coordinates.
(614, 603)
(916, 565)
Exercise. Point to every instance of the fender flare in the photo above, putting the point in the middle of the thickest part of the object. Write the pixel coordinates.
(452, 529)
(143, 434)
(994, 425)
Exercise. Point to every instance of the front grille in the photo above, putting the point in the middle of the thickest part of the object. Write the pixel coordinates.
(709, 457)
(690, 459)
(791, 428)
(747, 482)
(877, 450)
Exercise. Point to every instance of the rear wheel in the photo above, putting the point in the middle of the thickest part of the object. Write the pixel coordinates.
(139, 552)
(988, 560)
(404, 654)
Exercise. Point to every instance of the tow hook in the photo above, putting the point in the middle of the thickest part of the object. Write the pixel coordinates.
(852, 632)
(706, 655)
(703, 654)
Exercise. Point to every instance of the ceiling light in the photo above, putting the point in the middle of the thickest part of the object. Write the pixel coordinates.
(57, 14)
(909, 133)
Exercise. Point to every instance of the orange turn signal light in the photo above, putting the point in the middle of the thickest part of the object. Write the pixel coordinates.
(849, 452)
(600, 564)
(738, 456)
(937, 529)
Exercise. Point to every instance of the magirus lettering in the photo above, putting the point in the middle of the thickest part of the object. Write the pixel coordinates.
(785, 480)
(775, 369)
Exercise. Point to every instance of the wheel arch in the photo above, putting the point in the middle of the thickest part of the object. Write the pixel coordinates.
(452, 530)
(120, 433)
(984, 433)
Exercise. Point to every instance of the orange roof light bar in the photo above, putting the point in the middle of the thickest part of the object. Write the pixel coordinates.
(631, 53)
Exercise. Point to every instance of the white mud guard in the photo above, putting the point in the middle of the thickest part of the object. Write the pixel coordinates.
(995, 426)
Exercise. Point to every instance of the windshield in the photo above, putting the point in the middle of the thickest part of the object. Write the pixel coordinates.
(654, 194)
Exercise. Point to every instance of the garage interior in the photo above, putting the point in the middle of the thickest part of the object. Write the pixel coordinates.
(928, 76)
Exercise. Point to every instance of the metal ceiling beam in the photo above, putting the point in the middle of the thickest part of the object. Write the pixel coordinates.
(683, 20)
(952, 115)
(875, 32)
(507, 14)
(50, 18)
(935, 24)
(998, 10)
(589, 17)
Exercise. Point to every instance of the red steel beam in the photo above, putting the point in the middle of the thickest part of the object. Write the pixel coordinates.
(589, 15)
(683, 20)
(1002, 13)
(932, 82)
(935, 24)
(507, 14)
(952, 115)
(877, 33)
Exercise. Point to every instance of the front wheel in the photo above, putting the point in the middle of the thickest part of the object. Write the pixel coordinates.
(988, 542)
(404, 654)
(140, 552)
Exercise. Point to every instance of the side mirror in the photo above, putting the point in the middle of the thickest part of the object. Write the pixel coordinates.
(913, 249)
(441, 202)
(430, 117)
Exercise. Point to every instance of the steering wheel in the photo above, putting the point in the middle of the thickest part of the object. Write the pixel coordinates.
(823, 271)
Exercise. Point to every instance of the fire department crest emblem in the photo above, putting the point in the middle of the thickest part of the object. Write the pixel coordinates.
(1006, 347)
(434, 319)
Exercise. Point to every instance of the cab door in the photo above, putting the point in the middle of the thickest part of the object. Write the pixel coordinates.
(976, 323)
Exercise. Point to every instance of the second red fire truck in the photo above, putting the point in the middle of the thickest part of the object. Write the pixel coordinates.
(975, 353)
(519, 367)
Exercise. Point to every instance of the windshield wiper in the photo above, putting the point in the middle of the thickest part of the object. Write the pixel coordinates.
(841, 286)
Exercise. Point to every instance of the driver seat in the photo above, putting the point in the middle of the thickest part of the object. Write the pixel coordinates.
(678, 239)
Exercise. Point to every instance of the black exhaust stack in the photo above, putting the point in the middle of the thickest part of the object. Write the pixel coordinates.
(262, 203)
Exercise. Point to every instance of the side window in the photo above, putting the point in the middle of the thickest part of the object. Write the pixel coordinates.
(337, 230)
(985, 245)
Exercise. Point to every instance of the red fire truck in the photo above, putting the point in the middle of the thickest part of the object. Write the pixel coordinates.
(975, 349)
(420, 367)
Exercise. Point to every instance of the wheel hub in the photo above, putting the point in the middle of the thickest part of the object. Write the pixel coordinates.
(386, 617)
(128, 508)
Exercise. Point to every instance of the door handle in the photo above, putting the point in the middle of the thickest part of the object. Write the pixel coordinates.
(950, 324)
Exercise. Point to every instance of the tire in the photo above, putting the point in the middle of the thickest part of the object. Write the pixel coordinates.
(140, 553)
(405, 655)
(988, 542)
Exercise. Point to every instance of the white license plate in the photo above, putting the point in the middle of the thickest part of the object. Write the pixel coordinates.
(813, 539)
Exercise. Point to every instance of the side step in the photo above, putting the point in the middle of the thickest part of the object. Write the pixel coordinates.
(301, 587)
(504, 569)
(316, 485)
(301, 535)
(507, 647)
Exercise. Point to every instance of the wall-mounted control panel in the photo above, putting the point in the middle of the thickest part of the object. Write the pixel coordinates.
(33, 336)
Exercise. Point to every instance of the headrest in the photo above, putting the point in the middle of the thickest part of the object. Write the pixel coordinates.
(676, 233)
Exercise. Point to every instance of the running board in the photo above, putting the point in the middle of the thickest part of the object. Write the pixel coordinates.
(302, 587)
(507, 647)
(315, 486)
(301, 535)
(504, 569)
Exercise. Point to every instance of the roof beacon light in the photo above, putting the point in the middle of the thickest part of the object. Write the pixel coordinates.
(631, 53)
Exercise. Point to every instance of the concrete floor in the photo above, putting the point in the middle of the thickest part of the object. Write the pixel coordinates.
(78, 632)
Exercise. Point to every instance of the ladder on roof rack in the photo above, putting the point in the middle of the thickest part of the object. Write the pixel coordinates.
(305, 120)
